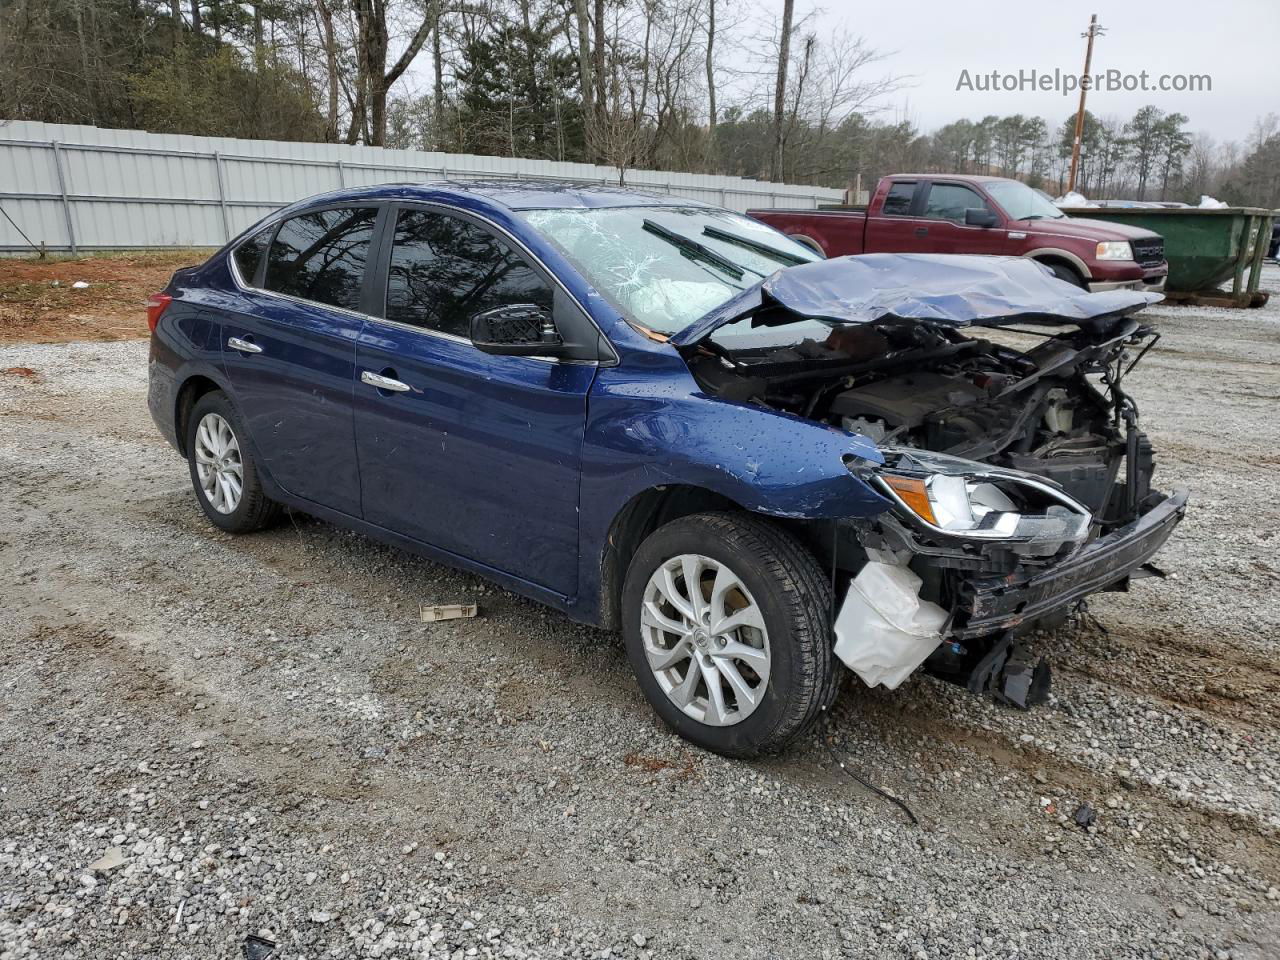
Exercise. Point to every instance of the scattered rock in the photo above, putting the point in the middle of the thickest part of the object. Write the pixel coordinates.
(114, 857)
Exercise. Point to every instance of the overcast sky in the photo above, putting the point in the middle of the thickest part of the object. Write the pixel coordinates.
(1236, 42)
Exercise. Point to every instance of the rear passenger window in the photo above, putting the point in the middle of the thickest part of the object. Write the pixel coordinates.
(249, 254)
(444, 270)
(897, 202)
(321, 256)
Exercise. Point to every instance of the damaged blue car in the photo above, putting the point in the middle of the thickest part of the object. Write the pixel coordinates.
(667, 419)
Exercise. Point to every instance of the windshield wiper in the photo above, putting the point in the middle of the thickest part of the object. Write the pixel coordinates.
(695, 250)
(762, 248)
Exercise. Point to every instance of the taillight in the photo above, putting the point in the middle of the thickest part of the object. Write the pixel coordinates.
(156, 304)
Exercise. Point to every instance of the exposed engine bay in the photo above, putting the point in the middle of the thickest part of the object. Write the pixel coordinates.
(1021, 478)
(910, 384)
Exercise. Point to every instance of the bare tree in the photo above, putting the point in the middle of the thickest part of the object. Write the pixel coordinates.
(711, 81)
(175, 14)
(374, 78)
(324, 16)
(586, 79)
(598, 68)
(780, 89)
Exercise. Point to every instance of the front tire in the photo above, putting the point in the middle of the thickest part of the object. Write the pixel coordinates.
(223, 473)
(1069, 274)
(741, 663)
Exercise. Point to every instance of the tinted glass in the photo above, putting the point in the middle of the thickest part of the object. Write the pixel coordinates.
(949, 201)
(444, 270)
(249, 254)
(897, 202)
(321, 256)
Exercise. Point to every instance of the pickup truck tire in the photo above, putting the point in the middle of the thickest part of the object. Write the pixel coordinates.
(809, 242)
(223, 473)
(1070, 274)
(748, 570)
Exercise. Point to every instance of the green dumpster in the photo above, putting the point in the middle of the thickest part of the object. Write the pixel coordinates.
(1205, 247)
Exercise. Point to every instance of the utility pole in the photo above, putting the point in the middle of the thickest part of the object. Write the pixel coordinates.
(1094, 30)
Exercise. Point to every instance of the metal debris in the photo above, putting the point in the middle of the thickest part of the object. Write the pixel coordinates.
(258, 948)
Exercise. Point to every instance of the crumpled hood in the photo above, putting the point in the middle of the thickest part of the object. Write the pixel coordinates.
(957, 290)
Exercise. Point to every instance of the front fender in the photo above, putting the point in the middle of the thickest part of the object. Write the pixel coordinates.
(655, 427)
(768, 462)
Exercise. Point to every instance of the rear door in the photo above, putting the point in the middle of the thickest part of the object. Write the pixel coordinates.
(895, 227)
(290, 353)
(476, 454)
(944, 210)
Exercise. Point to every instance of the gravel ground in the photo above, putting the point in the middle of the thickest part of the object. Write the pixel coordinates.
(263, 740)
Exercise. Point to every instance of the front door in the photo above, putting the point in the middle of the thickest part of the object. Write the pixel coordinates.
(944, 207)
(289, 353)
(479, 455)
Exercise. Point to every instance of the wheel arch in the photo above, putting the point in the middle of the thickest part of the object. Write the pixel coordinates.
(193, 388)
(644, 513)
(807, 241)
(1052, 255)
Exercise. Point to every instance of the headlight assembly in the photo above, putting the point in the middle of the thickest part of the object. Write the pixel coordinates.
(971, 501)
(1115, 250)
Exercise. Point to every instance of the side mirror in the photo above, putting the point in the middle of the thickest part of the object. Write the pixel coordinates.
(979, 217)
(516, 330)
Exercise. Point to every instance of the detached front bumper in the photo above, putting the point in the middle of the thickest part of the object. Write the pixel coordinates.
(994, 604)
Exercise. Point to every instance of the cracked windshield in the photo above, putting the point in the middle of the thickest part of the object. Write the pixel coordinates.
(665, 267)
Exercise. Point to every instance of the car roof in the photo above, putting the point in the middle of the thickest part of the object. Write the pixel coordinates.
(518, 194)
(962, 177)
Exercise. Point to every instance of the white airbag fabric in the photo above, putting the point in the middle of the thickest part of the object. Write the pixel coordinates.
(884, 630)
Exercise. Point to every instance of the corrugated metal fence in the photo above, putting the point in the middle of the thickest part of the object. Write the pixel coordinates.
(82, 188)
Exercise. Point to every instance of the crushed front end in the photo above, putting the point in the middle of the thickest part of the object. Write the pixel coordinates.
(1034, 564)
(1017, 479)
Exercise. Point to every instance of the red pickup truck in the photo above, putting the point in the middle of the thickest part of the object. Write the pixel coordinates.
(936, 213)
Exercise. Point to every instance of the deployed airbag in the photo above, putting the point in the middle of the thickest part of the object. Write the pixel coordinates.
(884, 630)
(958, 290)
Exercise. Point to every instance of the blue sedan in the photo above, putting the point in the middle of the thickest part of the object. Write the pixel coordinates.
(665, 418)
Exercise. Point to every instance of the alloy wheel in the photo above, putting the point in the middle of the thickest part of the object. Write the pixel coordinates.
(218, 463)
(705, 639)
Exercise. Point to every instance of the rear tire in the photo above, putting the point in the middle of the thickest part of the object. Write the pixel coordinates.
(223, 473)
(774, 678)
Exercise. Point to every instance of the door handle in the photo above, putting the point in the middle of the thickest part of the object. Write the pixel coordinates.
(244, 346)
(383, 383)
(922, 231)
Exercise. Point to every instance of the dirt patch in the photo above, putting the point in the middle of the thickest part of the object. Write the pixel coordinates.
(39, 302)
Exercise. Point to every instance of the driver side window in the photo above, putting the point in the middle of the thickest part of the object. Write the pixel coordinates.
(949, 201)
(445, 269)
